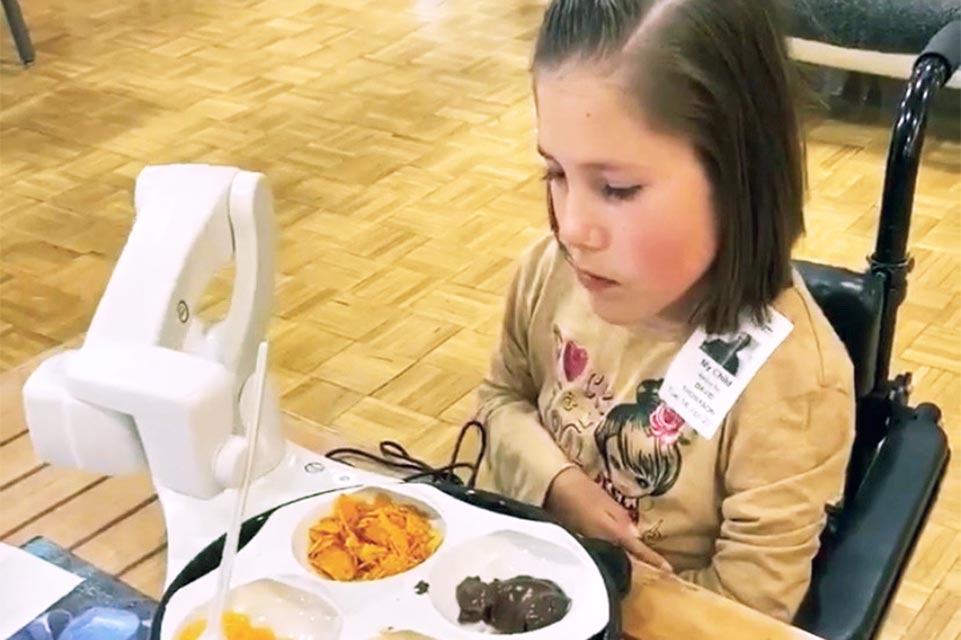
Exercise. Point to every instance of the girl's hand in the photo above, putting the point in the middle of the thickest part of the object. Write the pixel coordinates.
(579, 503)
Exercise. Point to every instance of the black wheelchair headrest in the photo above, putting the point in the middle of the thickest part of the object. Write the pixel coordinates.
(853, 303)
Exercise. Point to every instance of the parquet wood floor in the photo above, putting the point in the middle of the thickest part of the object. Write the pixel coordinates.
(398, 137)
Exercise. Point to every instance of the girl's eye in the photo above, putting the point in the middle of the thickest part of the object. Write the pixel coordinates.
(620, 193)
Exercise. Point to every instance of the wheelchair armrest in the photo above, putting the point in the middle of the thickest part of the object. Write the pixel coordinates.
(856, 577)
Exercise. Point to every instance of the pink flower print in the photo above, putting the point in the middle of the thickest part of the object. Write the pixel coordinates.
(666, 425)
(575, 360)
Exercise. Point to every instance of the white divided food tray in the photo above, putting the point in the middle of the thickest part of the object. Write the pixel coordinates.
(274, 584)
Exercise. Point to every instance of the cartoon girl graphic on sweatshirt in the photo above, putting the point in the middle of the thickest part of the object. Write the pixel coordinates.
(632, 449)
(640, 446)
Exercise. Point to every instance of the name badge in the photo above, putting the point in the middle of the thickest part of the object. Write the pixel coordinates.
(710, 372)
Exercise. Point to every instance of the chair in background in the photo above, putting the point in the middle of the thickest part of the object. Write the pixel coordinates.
(18, 29)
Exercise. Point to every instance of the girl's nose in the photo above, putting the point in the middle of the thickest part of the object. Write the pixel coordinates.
(577, 227)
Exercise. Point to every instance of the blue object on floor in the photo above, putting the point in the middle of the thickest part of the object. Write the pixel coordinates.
(102, 623)
(49, 626)
(102, 607)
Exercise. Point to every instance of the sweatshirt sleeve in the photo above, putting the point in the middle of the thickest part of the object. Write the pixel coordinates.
(786, 462)
(522, 457)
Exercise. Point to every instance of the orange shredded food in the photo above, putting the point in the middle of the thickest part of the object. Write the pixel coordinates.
(370, 540)
(236, 626)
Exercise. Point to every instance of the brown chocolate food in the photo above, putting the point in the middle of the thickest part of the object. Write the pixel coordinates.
(515, 605)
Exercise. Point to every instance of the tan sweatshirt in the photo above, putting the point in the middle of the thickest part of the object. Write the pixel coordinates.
(739, 513)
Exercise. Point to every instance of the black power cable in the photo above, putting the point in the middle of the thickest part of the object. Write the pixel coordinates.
(393, 455)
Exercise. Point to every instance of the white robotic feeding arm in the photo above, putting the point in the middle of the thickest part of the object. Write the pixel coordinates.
(151, 386)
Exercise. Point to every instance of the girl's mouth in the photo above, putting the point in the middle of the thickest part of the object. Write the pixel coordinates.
(593, 282)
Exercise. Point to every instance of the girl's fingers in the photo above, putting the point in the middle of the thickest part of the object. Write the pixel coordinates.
(600, 517)
(645, 554)
(630, 538)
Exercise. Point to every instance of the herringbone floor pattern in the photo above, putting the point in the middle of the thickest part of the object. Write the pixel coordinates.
(398, 137)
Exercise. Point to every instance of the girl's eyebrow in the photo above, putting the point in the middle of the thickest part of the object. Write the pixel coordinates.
(594, 166)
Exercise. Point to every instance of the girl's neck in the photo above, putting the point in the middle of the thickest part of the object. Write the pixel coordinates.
(674, 321)
(664, 328)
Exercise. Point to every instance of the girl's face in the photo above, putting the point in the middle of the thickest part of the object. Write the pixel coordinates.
(625, 483)
(633, 206)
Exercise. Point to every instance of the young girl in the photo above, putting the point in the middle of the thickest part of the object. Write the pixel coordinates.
(674, 171)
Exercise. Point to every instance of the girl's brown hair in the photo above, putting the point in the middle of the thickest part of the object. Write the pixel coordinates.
(716, 73)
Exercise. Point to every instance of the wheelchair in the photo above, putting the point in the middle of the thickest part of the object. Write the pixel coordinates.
(900, 452)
